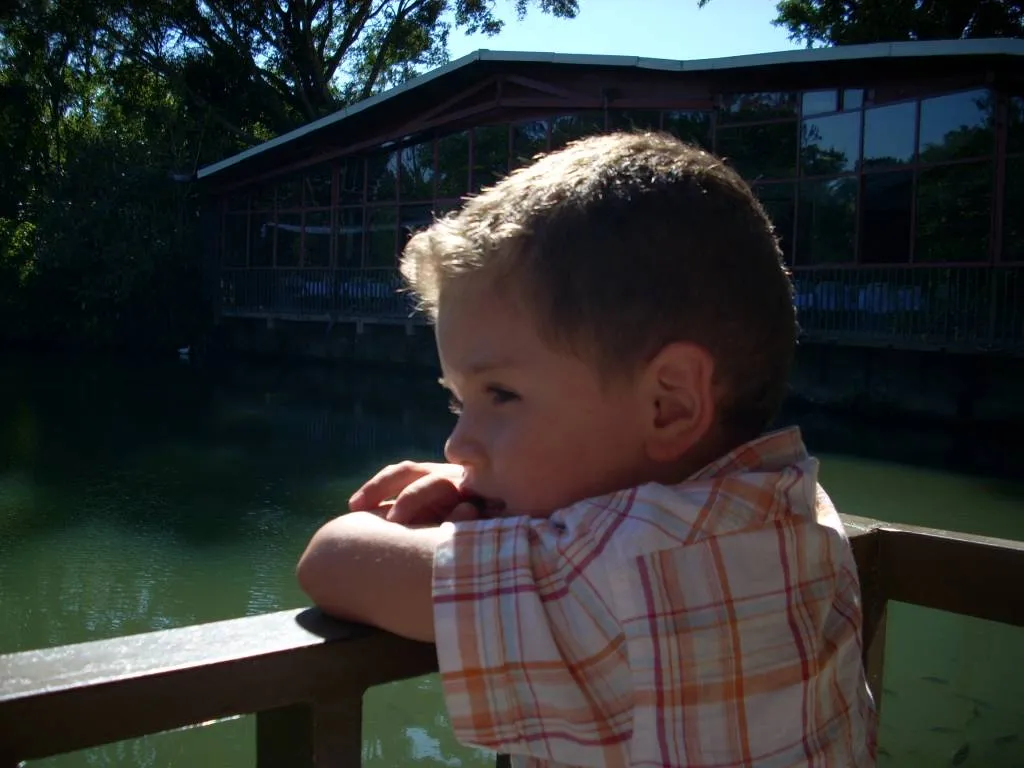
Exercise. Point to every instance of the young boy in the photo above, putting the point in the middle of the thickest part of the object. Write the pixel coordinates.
(636, 574)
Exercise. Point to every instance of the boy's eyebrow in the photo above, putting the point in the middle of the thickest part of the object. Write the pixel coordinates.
(480, 368)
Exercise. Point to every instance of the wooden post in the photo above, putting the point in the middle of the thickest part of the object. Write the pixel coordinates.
(875, 661)
(284, 737)
(338, 732)
(868, 551)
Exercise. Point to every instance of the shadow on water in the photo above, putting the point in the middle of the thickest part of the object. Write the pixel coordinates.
(187, 448)
(183, 446)
(983, 451)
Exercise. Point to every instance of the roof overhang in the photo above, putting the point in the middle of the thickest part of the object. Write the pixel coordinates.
(878, 52)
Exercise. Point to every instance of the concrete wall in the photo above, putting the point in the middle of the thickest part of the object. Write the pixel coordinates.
(918, 385)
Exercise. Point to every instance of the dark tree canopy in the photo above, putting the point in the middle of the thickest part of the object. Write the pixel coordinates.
(103, 102)
(846, 22)
(850, 22)
(280, 64)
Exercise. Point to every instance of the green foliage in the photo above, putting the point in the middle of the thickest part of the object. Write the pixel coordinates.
(847, 22)
(104, 103)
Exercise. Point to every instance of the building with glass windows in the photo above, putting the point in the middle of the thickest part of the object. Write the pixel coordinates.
(894, 174)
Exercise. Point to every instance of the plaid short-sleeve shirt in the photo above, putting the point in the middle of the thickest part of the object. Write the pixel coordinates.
(709, 624)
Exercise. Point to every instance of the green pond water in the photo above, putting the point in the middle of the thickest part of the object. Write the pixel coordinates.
(143, 496)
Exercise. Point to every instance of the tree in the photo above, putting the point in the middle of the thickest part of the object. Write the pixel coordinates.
(274, 65)
(104, 103)
(847, 22)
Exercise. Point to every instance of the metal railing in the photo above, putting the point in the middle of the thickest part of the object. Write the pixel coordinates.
(973, 308)
(304, 675)
(315, 293)
(962, 308)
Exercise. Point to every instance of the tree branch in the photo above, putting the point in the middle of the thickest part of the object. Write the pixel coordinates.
(378, 61)
(353, 29)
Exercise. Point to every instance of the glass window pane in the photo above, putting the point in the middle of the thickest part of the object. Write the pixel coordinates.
(417, 172)
(690, 126)
(236, 230)
(261, 239)
(778, 201)
(263, 197)
(817, 102)
(289, 239)
(568, 127)
(830, 145)
(349, 224)
(853, 98)
(891, 92)
(749, 107)
(1013, 221)
(351, 174)
(318, 239)
(381, 250)
(634, 119)
(289, 193)
(959, 125)
(826, 221)
(490, 155)
(954, 213)
(443, 207)
(528, 140)
(1015, 125)
(238, 202)
(886, 201)
(453, 165)
(412, 219)
(889, 134)
(381, 177)
(760, 151)
(316, 189)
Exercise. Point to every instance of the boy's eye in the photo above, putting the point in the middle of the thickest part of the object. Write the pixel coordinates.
(501, 395)
(454, 404)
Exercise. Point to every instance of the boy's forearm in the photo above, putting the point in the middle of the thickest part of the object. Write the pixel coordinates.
(362, 568)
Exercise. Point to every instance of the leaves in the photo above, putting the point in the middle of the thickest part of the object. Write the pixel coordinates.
(847, 22)
(103, 103)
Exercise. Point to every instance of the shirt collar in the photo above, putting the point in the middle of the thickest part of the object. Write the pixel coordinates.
(767, 453)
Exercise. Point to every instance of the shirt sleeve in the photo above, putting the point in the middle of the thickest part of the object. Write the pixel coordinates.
(531, 656)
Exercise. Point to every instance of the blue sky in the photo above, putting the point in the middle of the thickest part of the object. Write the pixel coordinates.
(668, 29)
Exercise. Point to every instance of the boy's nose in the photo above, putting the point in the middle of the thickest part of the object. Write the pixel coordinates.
(461, 448)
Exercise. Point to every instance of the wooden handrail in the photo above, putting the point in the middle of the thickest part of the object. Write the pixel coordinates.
(304, 674)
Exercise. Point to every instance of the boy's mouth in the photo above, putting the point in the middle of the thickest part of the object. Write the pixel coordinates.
(486, 507)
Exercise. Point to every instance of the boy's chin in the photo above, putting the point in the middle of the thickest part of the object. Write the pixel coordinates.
(485, 507)
(492, 508)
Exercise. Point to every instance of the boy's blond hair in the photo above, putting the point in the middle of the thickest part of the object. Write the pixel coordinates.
(623, 243)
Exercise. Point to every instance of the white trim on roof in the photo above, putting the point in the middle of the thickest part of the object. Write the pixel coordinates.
(341, 114)
(999, 46)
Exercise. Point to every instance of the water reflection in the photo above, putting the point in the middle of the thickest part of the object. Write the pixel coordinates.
(142, 497)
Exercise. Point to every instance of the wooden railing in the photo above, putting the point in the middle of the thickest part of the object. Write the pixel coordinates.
(963, 308)
(315, 294)
(960, 308)
(304, 675)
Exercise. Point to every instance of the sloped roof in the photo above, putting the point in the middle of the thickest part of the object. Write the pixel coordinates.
(809, 56)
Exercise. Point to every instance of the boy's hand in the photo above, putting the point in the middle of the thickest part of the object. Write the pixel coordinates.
(424, 493)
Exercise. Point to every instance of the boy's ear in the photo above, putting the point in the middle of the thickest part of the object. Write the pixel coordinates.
(680, 396)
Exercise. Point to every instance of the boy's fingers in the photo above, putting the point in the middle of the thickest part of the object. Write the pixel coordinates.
(424, 501)
(388, 483)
